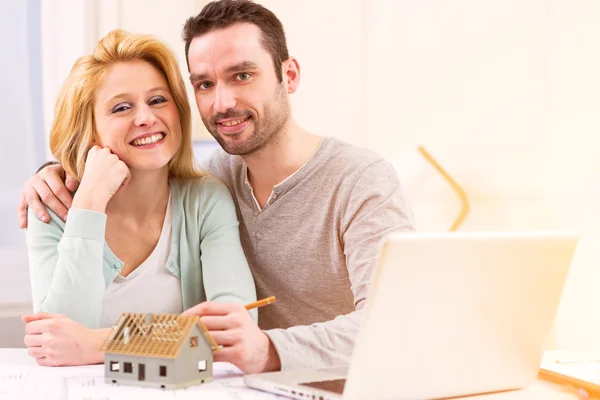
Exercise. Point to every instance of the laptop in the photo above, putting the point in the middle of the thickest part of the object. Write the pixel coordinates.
(448, 314)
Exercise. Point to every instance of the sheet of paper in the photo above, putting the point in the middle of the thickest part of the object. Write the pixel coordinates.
(224, 389)
(96, 389)
(12, 382)
(577, 364)
(87, 383)
(219, 389)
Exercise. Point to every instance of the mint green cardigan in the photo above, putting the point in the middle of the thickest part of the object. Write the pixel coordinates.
(71, 265)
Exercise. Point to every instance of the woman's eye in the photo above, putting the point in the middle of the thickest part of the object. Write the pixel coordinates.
(120, 108)
(158, 100)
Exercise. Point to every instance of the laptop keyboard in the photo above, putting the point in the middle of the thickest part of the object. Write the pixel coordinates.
(335, 385)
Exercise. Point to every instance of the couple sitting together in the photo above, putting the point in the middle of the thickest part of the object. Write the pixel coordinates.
(130, 224)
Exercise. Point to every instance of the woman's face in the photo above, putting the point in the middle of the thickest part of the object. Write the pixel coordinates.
(136, 117)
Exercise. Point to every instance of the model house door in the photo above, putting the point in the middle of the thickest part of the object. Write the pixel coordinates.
(142, 372)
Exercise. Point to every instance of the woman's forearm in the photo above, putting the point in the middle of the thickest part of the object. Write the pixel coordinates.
(96, 341)
(66, 266)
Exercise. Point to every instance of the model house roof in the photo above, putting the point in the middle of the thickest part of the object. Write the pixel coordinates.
(152, 335)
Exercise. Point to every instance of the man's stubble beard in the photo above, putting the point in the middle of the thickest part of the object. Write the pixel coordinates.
(275, 118)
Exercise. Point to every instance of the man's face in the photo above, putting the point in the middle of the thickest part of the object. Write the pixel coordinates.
(239, 98)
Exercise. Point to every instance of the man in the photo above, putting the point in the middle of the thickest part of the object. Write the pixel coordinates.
(312, 209)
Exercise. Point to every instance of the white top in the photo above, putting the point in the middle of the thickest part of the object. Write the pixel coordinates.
(149, 288)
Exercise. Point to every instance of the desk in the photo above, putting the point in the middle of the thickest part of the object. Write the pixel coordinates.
(22, 379)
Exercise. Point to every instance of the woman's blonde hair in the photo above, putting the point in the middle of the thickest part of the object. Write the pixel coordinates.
(74, 130)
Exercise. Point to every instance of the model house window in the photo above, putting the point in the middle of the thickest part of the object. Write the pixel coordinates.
(142, 372)
(202, 366)
(114, 365)
(162, 370)
(127, 367)
(194, 341)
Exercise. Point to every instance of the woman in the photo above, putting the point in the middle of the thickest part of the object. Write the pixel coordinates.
(146, 232)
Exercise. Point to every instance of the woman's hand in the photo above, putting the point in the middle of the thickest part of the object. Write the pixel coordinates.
(104, 175)
(55, 340)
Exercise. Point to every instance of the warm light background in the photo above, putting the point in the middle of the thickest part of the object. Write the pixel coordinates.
(504, 94)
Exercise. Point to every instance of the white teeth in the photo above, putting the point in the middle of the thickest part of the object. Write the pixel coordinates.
(148, 140)
(233, 123)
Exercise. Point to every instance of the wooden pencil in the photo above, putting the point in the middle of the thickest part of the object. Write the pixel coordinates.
(260, 303)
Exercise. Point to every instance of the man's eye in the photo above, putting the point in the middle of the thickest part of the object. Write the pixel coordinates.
(244, 76)
(204, 85)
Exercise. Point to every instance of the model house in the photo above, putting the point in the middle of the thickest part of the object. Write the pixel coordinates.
(159, 350)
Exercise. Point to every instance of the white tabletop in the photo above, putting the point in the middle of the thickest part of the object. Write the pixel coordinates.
(22, 379)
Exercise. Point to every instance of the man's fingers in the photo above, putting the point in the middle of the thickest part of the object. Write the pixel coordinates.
(192, 311)
(71, 184)
(33, 200)
(220, 322)
(47, 196)
(213, 308)
(22, 210)
(60, 191)
(226, 338)
(225, 354)
(46, 188)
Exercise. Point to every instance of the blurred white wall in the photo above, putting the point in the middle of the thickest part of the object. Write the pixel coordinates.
(504, 94)
(22, 143)
(20, 154)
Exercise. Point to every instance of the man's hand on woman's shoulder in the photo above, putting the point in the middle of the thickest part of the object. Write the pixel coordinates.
(48, 186)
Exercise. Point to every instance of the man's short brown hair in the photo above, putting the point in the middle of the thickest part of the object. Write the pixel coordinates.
(224, 13)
